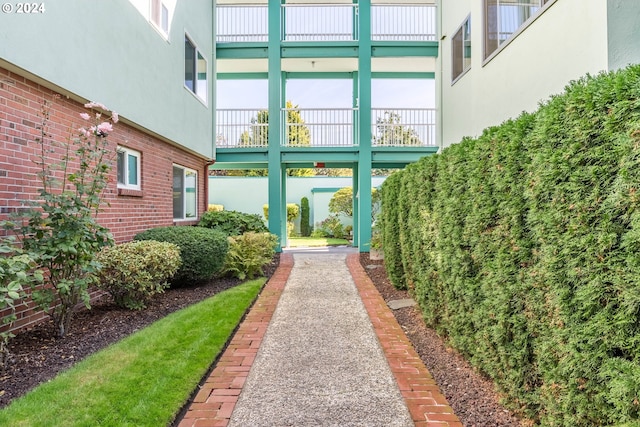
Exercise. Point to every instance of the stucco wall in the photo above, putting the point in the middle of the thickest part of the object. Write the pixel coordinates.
(107, 51)
(568, 40)
(249, 194)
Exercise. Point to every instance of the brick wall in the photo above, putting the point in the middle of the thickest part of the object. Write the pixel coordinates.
(129, 212)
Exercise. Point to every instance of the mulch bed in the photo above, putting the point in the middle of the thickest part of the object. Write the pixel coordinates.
(471, 395)
(37, 355)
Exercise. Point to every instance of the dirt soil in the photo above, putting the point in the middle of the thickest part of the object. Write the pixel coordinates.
(37, 355)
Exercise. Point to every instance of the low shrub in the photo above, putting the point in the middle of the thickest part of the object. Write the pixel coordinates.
(330, 227)
(202, 251)
(133, 272)
(249, 253)
(233, 223)
(215, 208)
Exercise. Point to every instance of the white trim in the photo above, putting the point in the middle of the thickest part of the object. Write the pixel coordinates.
(514, 35)
(464, 70)
(129, 152)
(186, 170)
(203, 97)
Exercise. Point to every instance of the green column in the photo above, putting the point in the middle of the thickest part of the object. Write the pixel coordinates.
(356, 208)
(276, 184)
(364, 103)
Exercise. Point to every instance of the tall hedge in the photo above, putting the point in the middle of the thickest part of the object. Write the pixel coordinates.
(522, 246)
(305, 225)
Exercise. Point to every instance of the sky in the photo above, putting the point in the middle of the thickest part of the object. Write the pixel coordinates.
(323, 93)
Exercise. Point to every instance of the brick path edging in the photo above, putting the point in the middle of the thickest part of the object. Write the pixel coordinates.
(427, 405)
(216, 400)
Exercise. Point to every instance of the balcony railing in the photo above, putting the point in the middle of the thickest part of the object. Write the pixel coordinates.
(326, 22)
(326, 127)
(414, 127)
(242, 128)
(320, 127)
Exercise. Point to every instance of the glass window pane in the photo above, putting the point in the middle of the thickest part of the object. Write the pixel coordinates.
(178, 193)
(191, 202)
(201, 89)
(466, 41)
(121, 167)
(165, 19)
(189, 64)
(133, 170)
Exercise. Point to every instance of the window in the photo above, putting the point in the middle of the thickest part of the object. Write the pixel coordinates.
(160, 15)
(195, 70)
(185, 195)
(128, 165)
(502, 18)
(461, 50)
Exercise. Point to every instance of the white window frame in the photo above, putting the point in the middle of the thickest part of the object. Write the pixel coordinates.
(462, 36)
(544, 5)
(159, 16)
(201, 93)
(129, 152)
(185, 200)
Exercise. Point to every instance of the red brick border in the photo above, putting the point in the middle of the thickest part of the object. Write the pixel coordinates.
(427, 406)
(214, 403)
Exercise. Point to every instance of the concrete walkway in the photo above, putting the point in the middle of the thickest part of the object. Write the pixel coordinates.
(324, 350)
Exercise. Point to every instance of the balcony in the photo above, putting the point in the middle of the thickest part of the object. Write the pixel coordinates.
(326, 23)
(326, 127)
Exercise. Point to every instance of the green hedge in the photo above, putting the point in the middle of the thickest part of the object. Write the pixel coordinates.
(522, 246)
(202, 250)
(233, 223)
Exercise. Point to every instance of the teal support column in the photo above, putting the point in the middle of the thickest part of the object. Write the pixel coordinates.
(283, 207)
(356, 207)
(276, 185)
(364, 104)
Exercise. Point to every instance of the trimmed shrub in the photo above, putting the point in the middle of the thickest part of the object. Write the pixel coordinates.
(305, 225)
(293, 210)
(202, 251)
(330, 227)
(215, 208)
(249, 253)
(232, 223)
(133, 272)
(521, 247)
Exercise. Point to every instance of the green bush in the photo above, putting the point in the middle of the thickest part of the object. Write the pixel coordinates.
(232, 223)
(305, 225)
(521, 247)
(202, 251)
(249, 253)
(293, 210)
(133, 272)
(330, 227)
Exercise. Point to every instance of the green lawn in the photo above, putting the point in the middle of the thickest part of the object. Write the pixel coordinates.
(297, 242)
(143, 380)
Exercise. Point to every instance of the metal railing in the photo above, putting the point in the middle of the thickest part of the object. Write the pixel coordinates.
(403, 22)
(320, 127)
(405, 127)
(242, 128)
(319, 22)
(326, 22)
(242, 23)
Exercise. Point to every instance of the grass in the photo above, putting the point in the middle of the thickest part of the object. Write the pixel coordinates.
(143, 380)
(296, 242)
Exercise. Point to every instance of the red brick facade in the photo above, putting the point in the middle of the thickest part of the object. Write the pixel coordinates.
(129, 212)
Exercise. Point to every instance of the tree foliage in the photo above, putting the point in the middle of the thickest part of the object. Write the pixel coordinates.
(391, 131)
(342, 202)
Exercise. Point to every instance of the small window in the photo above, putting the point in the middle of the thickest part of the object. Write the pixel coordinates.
(160, 15)
(503, 18)
(195, 70)
(128, 165)
(461, 50)
(185, 194)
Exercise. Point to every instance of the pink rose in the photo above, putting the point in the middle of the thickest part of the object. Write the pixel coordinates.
(104, 128)
(95, 105)
(85, 116)
(115, 117)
